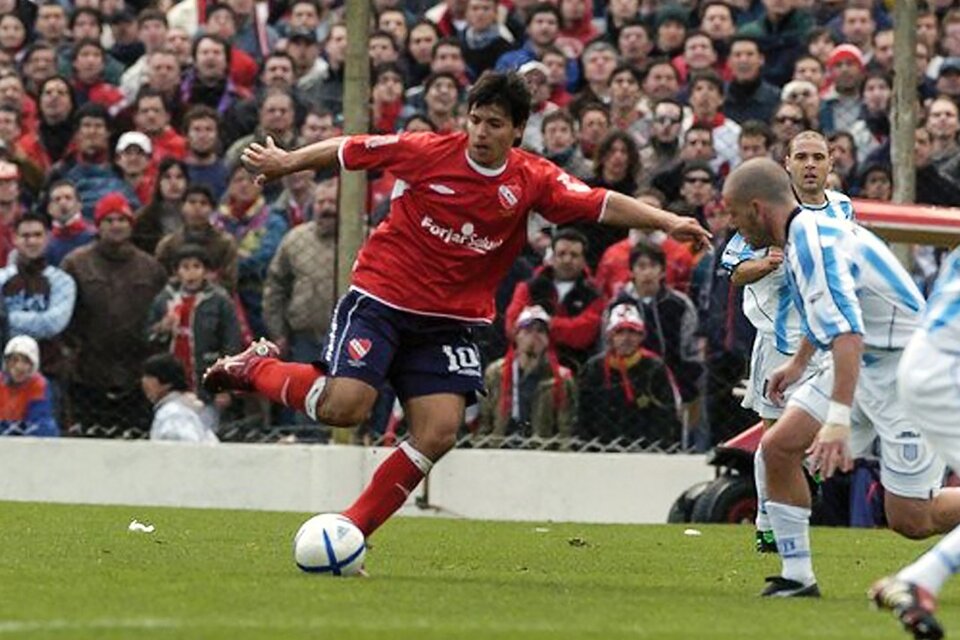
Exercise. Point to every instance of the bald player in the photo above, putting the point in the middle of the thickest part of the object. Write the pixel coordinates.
(857, 302)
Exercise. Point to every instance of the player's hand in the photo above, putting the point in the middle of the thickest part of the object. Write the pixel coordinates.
(266, 161)
(774, 258)
(831, 450)
(685, 228)
(781, 379)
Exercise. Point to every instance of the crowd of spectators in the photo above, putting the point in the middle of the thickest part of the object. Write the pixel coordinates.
(129, 228)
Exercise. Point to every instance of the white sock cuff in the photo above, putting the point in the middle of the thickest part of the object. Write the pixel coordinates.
(789, 512)
(312, 400)
(421, 461)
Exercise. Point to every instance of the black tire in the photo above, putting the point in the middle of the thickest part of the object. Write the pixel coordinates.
(682, 509)
(728, 499)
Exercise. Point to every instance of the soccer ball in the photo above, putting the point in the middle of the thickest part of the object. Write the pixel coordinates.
(329, 543)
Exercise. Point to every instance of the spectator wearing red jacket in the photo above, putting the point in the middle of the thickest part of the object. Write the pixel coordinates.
(565, 291)
(152, 118)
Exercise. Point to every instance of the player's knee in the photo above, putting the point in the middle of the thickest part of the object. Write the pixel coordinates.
(773, 448)
(341, 414)
(437, 439)
(915, 524)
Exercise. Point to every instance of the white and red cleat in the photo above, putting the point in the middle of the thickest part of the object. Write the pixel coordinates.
(232, 373)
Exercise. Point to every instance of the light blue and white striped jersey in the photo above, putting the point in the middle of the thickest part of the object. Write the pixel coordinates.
(941, 320)
(767, 302)
(844, 279)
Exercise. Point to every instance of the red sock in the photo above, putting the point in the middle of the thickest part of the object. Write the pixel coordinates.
(392, 483)
(286, 383)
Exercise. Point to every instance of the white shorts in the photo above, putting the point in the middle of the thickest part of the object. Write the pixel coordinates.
(930, 387)
(763, 362)
(908, 466)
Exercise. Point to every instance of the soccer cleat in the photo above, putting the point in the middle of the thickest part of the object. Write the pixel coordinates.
(780, 587)
(232, 373)
(910, 603)
(765, 542)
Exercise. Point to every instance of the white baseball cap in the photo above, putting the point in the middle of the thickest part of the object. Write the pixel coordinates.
(24, 346)
(625, 316)
(134, 139)
(531, 314)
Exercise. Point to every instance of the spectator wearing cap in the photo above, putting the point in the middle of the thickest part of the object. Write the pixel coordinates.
(564, 290)
(537, 78)
(806, 95)
(177, 413)
(749, 96)
(39, 297)
(26, 406)
(89, 167)
(948, 79)
(151, 34)
(152, 117)
(484, 39)
(782, 33)
(706, 101)
(70, 229)
(132, 157)
(194, 320)
(670, 317)
(116, 283)
(872, 130)
(258, 230)
(530, 394)
(542, 30)
(626, 392)
(841, 105)
(219, 246)
(298, 295)
(669, 30)
(309, 68)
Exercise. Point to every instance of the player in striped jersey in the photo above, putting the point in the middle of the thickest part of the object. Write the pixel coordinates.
(766, 300)
(856, 301)
(929, 383)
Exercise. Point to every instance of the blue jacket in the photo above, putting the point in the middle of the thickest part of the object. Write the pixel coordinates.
(94, 181)
(513, 60)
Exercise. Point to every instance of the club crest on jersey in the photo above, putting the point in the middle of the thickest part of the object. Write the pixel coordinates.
(509, 195)
(357, 348)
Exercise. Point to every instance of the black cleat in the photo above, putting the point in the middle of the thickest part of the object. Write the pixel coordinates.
(779, 587)
(766, 543)
(911, 604)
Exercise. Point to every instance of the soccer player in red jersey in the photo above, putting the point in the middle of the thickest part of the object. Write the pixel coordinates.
(458, 220)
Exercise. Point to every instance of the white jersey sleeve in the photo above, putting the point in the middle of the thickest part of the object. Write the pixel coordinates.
(941, 321)
(736, 252)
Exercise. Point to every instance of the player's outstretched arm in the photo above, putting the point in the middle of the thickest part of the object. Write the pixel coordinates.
(623, 211)
(269, 162)
(831, 450)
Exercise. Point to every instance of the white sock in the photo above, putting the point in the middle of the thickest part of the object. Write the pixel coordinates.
(760, 479)
(933, 568)
(791, 526)
(313, 397)
(421, 461)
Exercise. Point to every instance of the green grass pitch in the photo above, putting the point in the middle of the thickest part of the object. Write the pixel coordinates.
(75, 572)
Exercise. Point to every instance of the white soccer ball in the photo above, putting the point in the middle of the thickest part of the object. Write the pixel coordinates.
(329, 544)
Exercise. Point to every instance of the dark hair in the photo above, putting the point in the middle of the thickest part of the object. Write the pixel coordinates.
(653, 192)
(87, 42)
(271, 56)
(707, 75)
(380, 33)
(808, 56)
(91, 110)
(418, 116)
(635, 22)
(167, 370)
(702, 11)
(742, 37)
(558, 114)
(30, 216)
(86, 11)
(199, 112)
(606, 145)
(17, 114)
(544, 7)
(644, 249)
(505, 90)
(819, 32)
(656, 62)
(190, 250)
(594, 106)
(877, 74)
(149, 92)
(625, 68)
(222, 6)
(387, 67)
(420, 23)
(570, 235)
(222, 42)
(690, 166)
(754, 128)
(433, 77)
(154, 15)
(698, 126)
(63, 182)
(836, 135)
(197, 188)
(445, 42)
(165, 165)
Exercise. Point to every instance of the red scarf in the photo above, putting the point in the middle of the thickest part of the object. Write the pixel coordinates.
(72, 227)
(182, 345)
(506, 384)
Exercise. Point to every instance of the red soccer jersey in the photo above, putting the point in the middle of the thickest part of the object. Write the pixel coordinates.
(455, 228)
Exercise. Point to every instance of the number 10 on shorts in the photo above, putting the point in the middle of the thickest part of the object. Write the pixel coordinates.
(464, 360)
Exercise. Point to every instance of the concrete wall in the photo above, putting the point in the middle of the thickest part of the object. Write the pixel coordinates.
(490, 484)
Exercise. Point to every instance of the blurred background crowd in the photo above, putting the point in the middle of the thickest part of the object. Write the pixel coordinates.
(136, 249)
